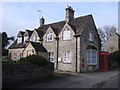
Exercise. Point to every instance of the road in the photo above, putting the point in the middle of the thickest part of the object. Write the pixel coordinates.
(112, 82)
(82, 80)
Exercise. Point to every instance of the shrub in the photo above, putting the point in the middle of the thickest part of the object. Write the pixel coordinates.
(115, 56)
(36, 59)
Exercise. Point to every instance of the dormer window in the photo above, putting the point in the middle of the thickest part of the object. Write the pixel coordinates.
(49, 37)
(19, 40)
(91, 36)
(66, 35)
(26, 38)
(34, 38)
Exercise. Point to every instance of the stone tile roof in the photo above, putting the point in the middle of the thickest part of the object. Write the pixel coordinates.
(118, 34)
(77, 24)
(29, 32)
(15, 45)
(21, 33)
(91, 47)
(38, 47)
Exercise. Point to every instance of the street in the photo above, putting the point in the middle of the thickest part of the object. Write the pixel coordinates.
(81, 80)
(112, 82)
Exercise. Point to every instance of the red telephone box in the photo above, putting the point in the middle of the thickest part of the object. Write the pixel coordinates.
(104, 60)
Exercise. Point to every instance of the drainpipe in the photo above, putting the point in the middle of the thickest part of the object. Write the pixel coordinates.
(76, 36)
(76, 55)
(57, 39)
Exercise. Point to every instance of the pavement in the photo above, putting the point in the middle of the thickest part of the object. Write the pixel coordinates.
(74, 80)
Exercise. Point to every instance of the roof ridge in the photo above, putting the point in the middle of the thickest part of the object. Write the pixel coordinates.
(64, 20)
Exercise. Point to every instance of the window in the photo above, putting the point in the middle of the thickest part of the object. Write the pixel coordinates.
(67, 56)
(49, 37)
(66, 35)
(19, 40)
(91, 36)
(91, 57)
(34, 38)
(51, 57)
(26, 38)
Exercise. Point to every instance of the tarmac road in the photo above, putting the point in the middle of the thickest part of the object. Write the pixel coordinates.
(112, 82)
(82, 80)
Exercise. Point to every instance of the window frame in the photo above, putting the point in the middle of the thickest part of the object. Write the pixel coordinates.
(67, 58)
(68, 38)
(92, 58)
(91, 37)
(26, 38)
(19, 40)
(51, 56)
(34, 37)
(48, 37)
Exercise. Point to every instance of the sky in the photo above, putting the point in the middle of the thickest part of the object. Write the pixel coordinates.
(19, 16)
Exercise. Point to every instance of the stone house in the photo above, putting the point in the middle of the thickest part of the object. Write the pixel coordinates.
(16, 49)
(72, 44)
(113, 42)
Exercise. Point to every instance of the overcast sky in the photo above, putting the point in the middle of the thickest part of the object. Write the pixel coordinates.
(16, 16)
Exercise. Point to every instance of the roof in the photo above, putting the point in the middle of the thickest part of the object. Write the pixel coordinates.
(21, 33)
(38, 47)
(15, 45)
(91, 47)
(118, 34)
(29, 32)
(77, 24)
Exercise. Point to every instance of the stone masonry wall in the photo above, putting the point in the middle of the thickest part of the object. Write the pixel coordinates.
(18, 72)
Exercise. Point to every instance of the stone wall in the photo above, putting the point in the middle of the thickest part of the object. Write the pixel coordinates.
(13, 73)
(84, 43)
(111, 45)
(15, 54)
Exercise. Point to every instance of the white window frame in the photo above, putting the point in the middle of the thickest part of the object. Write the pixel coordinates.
(91, 58)
(66, 35)
(26, 38)
(51, 56)
(91, 36)
(49, 37)
(19, 40)
(34, 37)
(67, 56)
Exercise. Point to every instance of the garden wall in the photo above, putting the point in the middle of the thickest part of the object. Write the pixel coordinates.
(13, 73)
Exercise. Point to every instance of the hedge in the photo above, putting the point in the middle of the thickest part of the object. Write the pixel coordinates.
(36, 59)
(115, 56)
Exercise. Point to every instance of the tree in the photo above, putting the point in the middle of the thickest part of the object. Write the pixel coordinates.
(105, 32)
(5, 42)
(102, 35)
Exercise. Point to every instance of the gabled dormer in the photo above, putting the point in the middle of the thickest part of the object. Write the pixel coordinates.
(67, 32)
(27, 35)
(20, 37)
(35, 37)
(49, 35)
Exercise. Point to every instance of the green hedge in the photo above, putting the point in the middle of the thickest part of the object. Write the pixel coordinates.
(36, 59)
(115, 56)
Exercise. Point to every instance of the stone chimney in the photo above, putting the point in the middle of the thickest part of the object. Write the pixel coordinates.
(69, 14)
(113, 30)
(42, 21)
